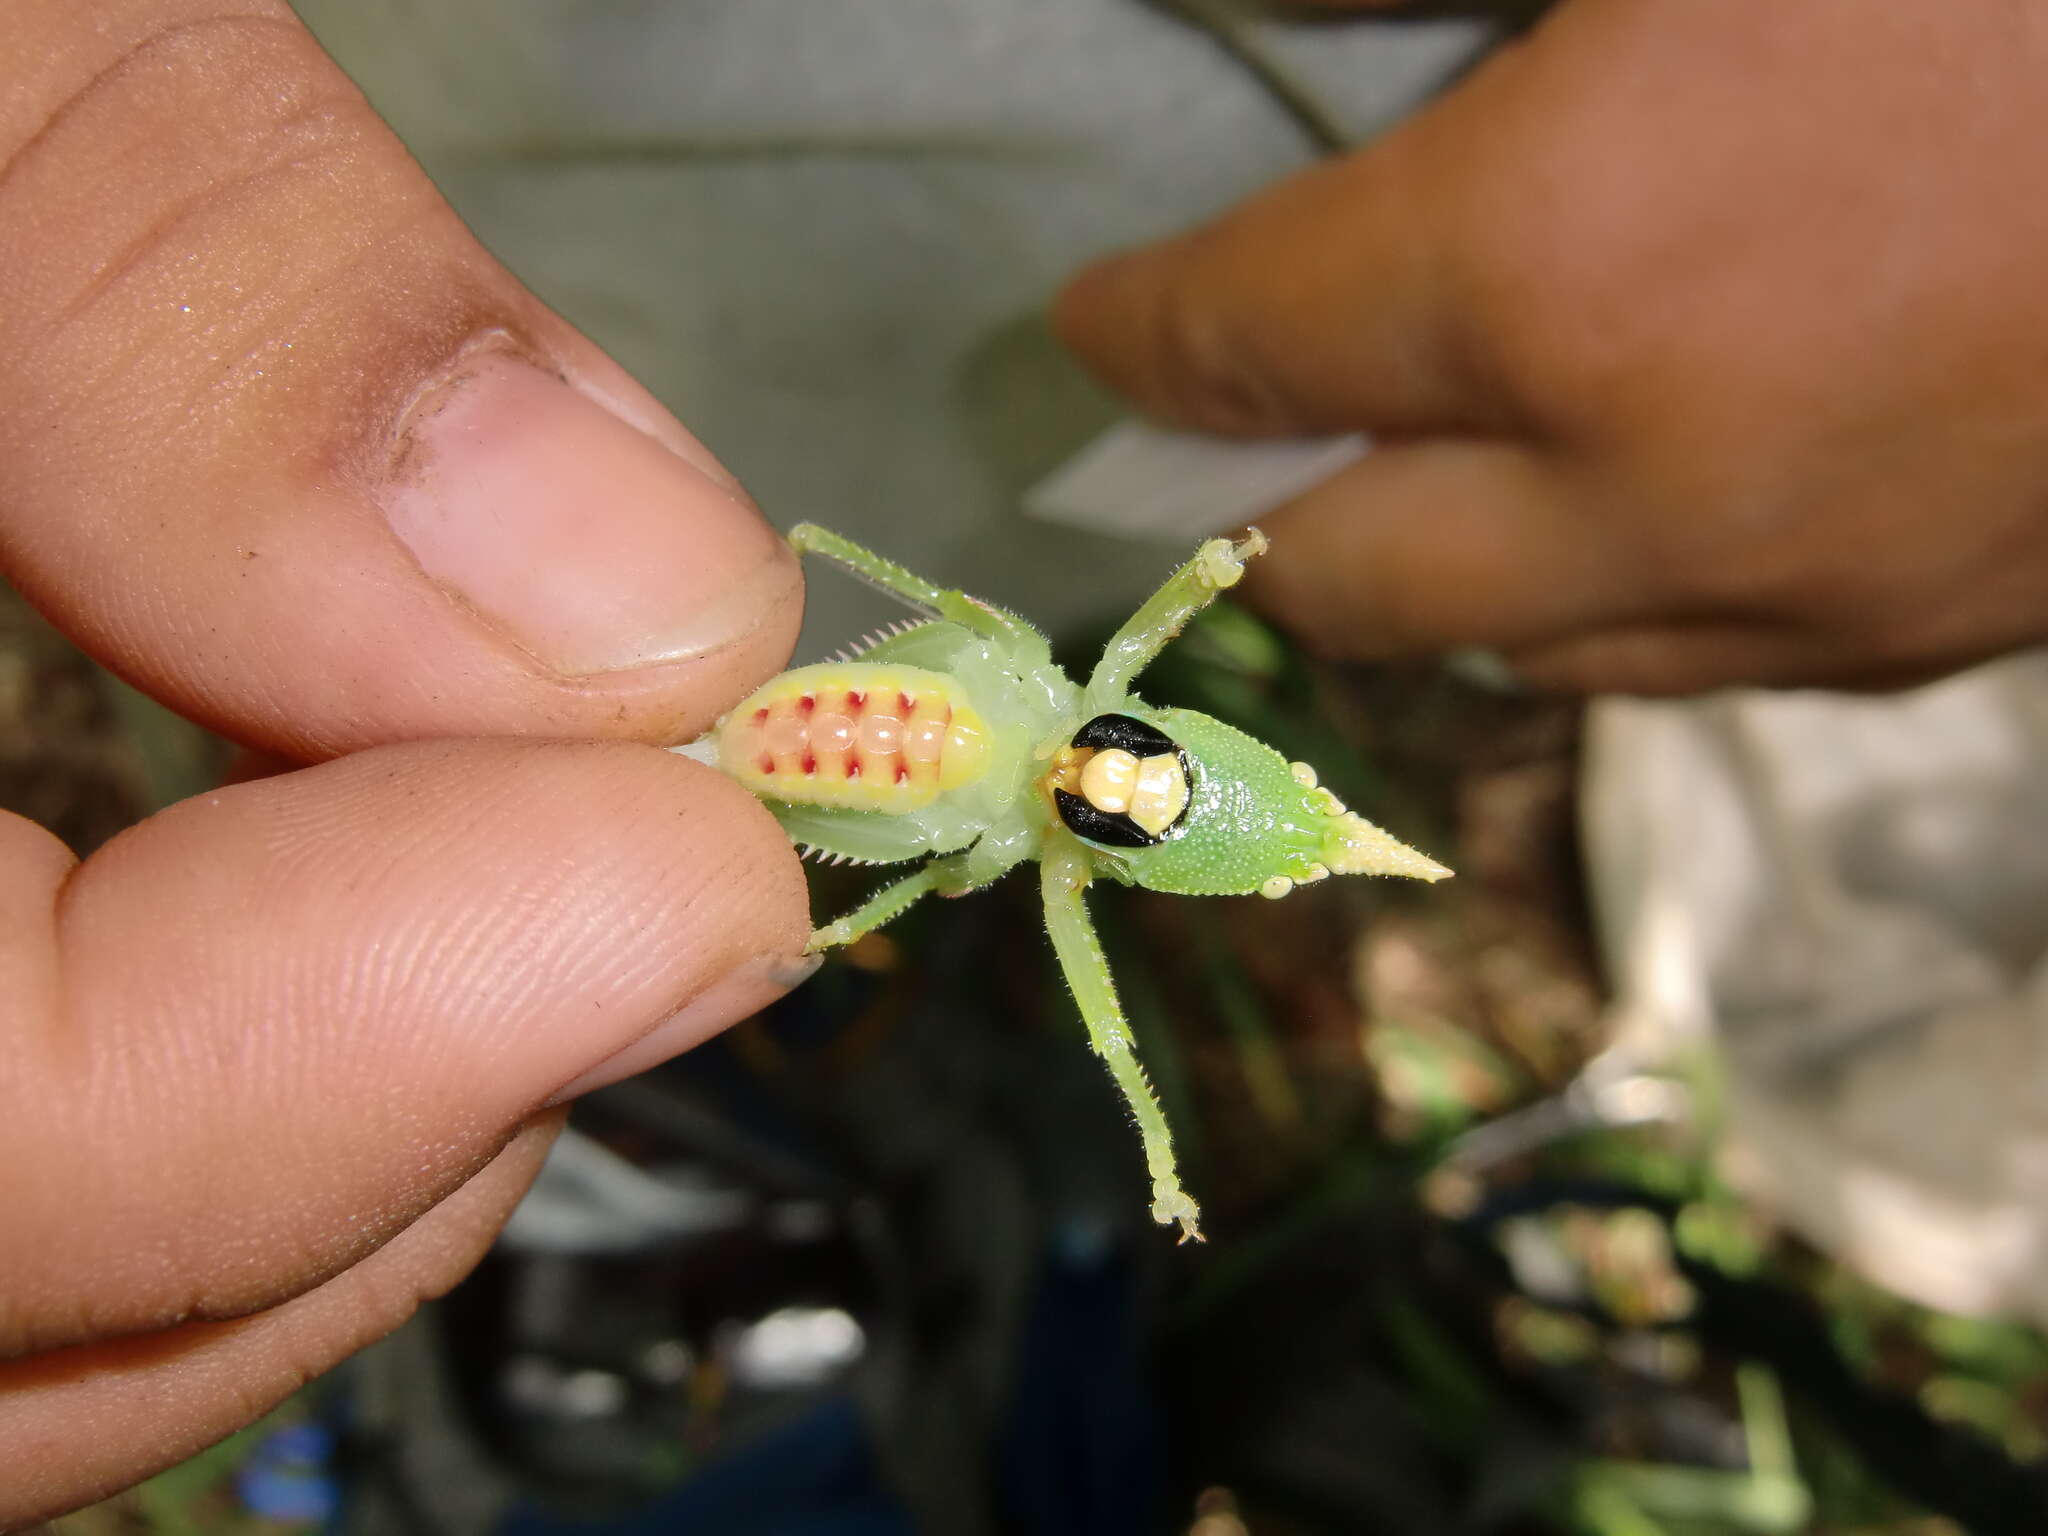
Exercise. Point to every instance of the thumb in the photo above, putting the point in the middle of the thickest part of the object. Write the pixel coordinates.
(284, 446)
(260, 1047)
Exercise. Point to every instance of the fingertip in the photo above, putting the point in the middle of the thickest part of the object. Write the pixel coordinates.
(1320, 304)
(1151, 325)
(1426, 546)
(308, 1007)
(1093, 315)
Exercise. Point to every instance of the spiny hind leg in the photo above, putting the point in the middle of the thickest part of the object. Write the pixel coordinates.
(1064, 873)
(927, 597)
(1215, 568)
(887, 904)
(858, 560)
(954, 876)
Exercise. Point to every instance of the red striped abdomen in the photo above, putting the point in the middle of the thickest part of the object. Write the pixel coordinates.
(860, 735)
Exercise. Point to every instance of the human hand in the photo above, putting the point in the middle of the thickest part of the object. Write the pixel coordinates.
(281, 444)
(1704, 344)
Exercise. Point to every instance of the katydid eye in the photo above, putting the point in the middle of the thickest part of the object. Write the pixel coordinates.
(1124, 784)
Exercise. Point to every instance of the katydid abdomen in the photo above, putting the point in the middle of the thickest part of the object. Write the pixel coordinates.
(872, 736)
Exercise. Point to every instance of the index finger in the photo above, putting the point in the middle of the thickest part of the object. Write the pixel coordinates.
(1330, 302)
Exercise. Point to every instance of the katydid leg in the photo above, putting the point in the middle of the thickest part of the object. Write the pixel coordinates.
(941, 602)
(1064, 872)
(954, 876)
(887, 904)
(1217, 565)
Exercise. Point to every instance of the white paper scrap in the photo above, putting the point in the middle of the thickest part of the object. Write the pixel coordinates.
(1141, 482)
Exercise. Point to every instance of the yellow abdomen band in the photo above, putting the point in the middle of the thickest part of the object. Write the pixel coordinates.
(858, 735)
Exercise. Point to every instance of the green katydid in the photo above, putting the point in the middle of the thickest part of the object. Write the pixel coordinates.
(958, 738)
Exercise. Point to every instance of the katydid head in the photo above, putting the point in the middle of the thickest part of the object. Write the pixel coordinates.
(1180, 802)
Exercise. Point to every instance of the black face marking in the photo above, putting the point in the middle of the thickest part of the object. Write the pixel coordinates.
(1084, 820)
(1133, 736)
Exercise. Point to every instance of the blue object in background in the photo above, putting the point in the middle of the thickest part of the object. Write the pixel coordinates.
(287, 1477)
(1082, 1451)
(815, 1476)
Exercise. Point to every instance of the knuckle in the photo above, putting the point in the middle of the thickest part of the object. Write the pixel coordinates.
(1204, 375)
(1740, 569)
(1566, 320)
(1695, 533)
(124, 209)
